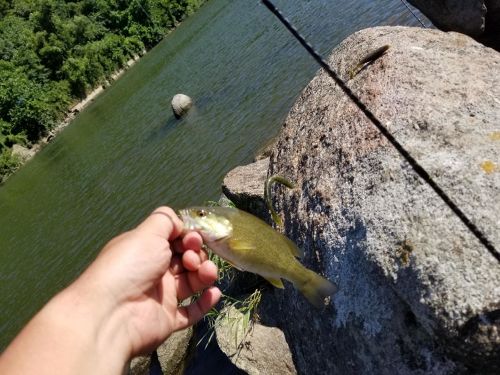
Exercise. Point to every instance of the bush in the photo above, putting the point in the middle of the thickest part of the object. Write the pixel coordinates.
(8, 164)
(7, 139)
(30, 107)
(74, 71)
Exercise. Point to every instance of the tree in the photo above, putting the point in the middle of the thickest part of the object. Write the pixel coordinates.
(52, 57)
(7, 138)
(31, 108)
(53, 51)
(74, 72)
(8, 163)
(44, 18)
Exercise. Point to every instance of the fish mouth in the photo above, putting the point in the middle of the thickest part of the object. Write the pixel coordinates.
(208, 225)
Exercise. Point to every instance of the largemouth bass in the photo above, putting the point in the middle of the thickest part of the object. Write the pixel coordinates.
(251, 245)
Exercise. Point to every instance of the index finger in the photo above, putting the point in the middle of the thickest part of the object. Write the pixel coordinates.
(162, 222)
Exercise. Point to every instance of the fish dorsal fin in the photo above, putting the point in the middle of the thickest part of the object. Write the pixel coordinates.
(294, 249)
(276, 282)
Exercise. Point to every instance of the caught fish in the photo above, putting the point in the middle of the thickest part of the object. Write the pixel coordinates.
(251, 245)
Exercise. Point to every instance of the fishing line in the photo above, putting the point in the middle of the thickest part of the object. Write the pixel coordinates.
(375, 121)
(412, 12)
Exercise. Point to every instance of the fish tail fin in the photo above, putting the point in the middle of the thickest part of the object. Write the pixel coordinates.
(316, 288)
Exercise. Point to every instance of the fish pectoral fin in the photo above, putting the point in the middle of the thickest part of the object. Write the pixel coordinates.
(276, 282)
(240, 245)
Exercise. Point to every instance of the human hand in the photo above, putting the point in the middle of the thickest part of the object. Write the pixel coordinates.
(124, 304)
(145, 273)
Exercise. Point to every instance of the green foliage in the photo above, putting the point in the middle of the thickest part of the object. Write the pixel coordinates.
(247, 307)
(4, 7)
(53, 52)
(44, 17)
(7, 139)
(31, 108)
(225, 270)
(18, 46)
(74, 72)
(8, 163)
(83, 30)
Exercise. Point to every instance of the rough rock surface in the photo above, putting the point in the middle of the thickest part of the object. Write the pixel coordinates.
(266, 149)
(171, 355)
(258, 350)
(418, 293)
(244, 186)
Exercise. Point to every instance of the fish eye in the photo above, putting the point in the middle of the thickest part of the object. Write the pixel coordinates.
(202, 213)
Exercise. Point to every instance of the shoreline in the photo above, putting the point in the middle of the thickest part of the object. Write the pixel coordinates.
(25, 154)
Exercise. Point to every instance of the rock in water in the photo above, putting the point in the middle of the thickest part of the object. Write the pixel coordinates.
(418, 293)
(181, 104)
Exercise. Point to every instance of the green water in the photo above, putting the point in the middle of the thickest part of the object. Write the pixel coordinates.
(126, 154)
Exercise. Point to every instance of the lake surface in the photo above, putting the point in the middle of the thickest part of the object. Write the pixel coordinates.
(126, 154)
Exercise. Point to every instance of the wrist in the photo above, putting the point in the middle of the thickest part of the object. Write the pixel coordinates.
(91, 325)
(72, 334)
